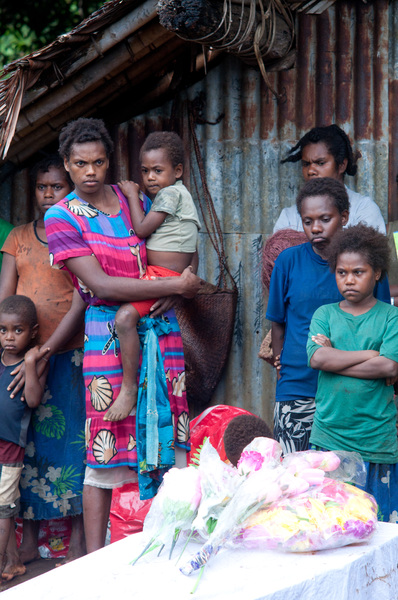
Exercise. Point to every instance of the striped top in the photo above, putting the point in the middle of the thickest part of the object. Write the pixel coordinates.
(76, 228)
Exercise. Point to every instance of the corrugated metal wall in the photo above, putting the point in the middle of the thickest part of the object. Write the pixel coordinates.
(346, 61)
(346, 72)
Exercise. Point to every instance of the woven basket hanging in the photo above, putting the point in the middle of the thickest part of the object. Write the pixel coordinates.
(207, 321)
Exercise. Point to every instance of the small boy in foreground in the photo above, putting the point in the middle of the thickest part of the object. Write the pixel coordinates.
(18, 329)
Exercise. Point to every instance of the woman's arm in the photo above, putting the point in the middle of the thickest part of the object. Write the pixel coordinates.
(143, 224)
(8, 276)
(70, 325)
(34, 384)
(378, 367)
(128, 289)
(333, 360)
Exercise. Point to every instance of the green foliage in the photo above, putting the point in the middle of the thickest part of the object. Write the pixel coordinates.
(53, 425)
(195, 459)
(66, 481)
(28, 26)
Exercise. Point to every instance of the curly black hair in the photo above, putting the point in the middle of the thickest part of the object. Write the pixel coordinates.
(81, 131)
(168, 141)
(364, 240)
(324, 186)
(45, 164)
(240, 432)
(336, 141)
(21, 306)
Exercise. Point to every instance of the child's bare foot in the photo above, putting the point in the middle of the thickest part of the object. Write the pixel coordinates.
(123, 405)
(12, 568)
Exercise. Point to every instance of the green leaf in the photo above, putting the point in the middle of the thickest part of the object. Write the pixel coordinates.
(52, 427)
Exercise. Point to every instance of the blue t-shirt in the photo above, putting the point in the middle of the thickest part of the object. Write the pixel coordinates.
(15, 415)
(301, 282)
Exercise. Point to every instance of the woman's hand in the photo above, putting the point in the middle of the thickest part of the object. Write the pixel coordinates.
(39, 357)
(162, 305)
(19, 380)
(321, 340)
(191, 283)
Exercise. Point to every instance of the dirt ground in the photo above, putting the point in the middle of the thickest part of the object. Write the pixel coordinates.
(33, 569)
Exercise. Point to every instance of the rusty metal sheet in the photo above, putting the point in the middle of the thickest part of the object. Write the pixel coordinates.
(346, 72)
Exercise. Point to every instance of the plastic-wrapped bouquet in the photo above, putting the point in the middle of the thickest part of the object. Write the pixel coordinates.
(329, 515)
(173, 509)
(218, 483)
(268, 501)
(290, 505)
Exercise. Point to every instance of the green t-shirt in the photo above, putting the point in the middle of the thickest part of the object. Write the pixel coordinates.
(356, 414)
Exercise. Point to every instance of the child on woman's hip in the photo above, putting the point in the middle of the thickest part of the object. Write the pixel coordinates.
(171, 226)
(18, 329)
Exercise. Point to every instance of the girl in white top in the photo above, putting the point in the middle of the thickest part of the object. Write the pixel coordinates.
(327, 152)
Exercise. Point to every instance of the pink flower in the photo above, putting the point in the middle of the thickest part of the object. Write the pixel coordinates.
(250, 461)
(312, 476)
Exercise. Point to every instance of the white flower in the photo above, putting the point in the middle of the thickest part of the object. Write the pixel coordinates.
(40, 487)
(386, 479)
(28, 473)
(53, 474)
(46, 396)
(30, 449)
(393, 517)
(64, 506)
(29, 514)
(77, 358)
(44, 412)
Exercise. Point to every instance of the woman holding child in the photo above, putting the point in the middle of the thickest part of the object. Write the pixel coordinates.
(91, 235)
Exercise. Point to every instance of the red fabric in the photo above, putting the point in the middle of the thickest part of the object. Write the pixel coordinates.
(212, 423)
(11, 453)
(143, 307)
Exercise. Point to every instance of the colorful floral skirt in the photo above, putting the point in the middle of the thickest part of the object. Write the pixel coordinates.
(54, 464)
(113, 444)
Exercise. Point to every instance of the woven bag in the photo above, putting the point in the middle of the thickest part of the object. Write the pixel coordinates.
(207, 321)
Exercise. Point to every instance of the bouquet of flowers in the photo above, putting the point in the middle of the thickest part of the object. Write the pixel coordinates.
(329, 515)
(173, 509)
(290, 505)
(218, 483)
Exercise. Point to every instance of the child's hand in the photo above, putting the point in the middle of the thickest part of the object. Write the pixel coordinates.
(34, 355)
(129, 188)
(278, 366)
(322, 340)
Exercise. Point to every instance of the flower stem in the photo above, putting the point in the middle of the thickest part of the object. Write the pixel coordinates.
(195, 587)
(173, 543)
(185, 545)
(148, 548)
